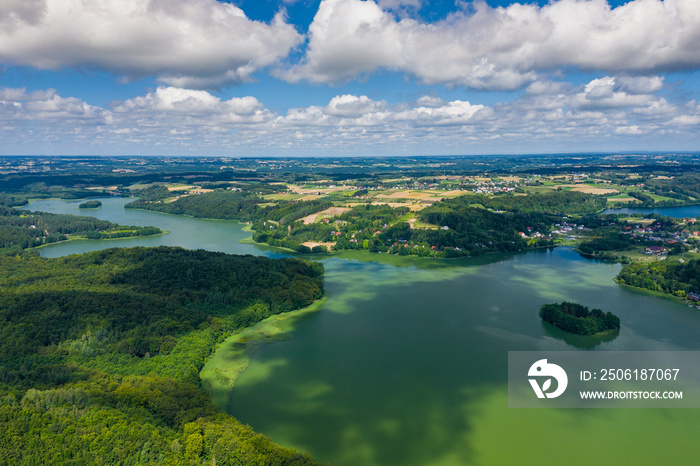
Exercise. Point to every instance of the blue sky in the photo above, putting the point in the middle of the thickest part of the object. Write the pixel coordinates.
(348, 77)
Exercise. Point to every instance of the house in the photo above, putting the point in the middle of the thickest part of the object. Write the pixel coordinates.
(655, 249)
(694, 297)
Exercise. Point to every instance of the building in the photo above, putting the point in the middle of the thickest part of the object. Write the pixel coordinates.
(655, 250)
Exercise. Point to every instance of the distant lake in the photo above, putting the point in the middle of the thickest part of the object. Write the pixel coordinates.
(187, 232)
(406, 364)
(676, 212)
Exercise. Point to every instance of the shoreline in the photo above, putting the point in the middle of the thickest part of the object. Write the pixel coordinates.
(241, 222)
(231, 357)
(662, 294)
(82, 238)
(372, 256)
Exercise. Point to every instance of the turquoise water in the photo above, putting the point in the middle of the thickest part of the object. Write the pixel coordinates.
(676, 212)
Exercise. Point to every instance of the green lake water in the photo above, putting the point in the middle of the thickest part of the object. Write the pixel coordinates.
(190, 233)
(406, 363)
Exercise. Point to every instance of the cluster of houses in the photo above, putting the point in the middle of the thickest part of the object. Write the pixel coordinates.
(655, 250)
(531, 234)
(566, 228)
(492, 187)
(657, 234)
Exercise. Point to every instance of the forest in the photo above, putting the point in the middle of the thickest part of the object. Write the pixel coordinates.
(578, 319)
(665, 276)
(552, 203)
(608, 241)
(458, 229)
(244, 206)
(21, 229)
(473, 226)
(90, 204)
(100, 353)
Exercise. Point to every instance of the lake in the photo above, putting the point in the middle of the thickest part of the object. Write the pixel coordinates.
(406, 363)
(187, 232)
(676, 212)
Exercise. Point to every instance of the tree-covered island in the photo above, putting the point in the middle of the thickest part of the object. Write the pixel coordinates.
(578, 319)
(90, 205)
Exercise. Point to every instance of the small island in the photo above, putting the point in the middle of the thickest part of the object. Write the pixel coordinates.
(90, 205)
(578, 319)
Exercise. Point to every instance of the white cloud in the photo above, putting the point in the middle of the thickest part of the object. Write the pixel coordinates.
(13, 12)
(685, 120)
(451, 113)
(544, 87)
(195, 43)
(16, 104)
(396, 4)
(630, 130)
(349, 110)
(184, 121)
(175, 106)
(353, 106)
(502, 48)
(610, 92)
(430, 101)
(641, 85)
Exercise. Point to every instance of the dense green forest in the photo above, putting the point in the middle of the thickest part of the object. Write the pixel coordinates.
(578, 319)
(469, 230)
(90, 205)
(100, 353)
(217, 204)
(459, 230)
(12, 200)
(666, 276)
(685, 187)
(232, 205)
(21, 229)
(608, 241)
(553, 203)
(461, 225)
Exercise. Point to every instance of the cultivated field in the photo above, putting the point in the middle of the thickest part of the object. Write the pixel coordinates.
(330, 212)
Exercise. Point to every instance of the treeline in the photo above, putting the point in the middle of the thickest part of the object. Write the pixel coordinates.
(553, 203)
(666, 276)
(645, 199)
(25, 187)
(229, 205)
(13, 200)
(21, 229)
(232, 205)
(684, 187)
(90, 205)
(463, 226)
(458, 230)
(352, 230)
(101, 352)
(578, 319)
(467, 230)
(609, 241)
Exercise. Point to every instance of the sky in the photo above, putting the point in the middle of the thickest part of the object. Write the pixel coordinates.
(348, 77)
